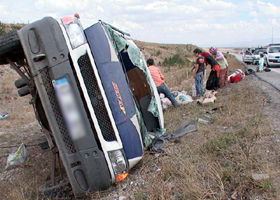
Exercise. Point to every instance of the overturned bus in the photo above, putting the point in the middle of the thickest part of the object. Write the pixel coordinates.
(92, 95)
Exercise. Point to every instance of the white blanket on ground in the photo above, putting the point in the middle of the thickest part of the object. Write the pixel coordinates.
(181, 97)
(208, 97)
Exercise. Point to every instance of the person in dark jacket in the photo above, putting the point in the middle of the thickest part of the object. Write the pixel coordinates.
(213, 79)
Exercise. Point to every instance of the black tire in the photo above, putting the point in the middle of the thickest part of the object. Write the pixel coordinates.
(41, 114)
(61, 189)
(19, 83)
(23, 91)
(10, 47)
(267, 65)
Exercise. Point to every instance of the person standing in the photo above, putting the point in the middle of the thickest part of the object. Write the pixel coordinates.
(198, 72)
(220, 58)
(159, 82)
(213, 78)
(261, 63)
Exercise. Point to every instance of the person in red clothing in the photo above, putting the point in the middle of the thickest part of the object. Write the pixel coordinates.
(212, 62)
(159, 82)
(215, 67)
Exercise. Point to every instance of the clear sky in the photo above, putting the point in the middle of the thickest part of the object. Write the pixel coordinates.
(199, 22)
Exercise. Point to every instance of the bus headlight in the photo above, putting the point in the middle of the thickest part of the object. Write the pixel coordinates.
(119, 164)
(74, 31)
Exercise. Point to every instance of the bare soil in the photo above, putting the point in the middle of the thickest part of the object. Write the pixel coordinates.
(21, 126)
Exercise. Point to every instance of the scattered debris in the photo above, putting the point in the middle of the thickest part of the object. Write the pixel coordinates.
(214, 109)
(237, 76)
(17, 157)
(158, 142)
(165, 102)
(267, 69)
(249, 71)
(260, 177)
(122, 197)
(4, 116)
(184, 128)
(157, 145)
(207, 116)
(203, 121)
(193, 90)
(184, 99)
(181, 97)
(208, 97)
(234, 195)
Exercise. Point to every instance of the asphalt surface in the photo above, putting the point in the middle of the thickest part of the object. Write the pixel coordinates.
(273, 77)
(269, 83)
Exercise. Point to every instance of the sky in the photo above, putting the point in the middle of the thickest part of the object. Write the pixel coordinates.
(204, 23)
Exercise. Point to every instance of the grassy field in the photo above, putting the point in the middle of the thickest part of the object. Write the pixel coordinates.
(215, 162)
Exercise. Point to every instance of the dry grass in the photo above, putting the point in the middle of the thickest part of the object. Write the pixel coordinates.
(218, 160)
(215, 162)
(20, 182)
(159, 52)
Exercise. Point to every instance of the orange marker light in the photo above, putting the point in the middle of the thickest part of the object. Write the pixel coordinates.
(77, 15)
(120, 177)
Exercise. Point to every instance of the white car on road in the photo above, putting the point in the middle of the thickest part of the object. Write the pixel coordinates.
(247, 57)
(272, 57)
(256, 55)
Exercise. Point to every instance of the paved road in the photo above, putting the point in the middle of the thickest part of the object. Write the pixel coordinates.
(272, 77)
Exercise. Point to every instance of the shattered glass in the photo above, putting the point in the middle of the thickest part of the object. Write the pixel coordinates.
(138, 59)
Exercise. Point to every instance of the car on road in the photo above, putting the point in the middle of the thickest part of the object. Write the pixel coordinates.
(247, 57)
(257, 53)
(272, 56)
(92, 95)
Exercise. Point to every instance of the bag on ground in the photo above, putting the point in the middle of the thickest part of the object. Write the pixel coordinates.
(193, 90)
(17, 157)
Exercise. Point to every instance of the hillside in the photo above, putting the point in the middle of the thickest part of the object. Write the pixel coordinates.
(6, 28)
(161, 52)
